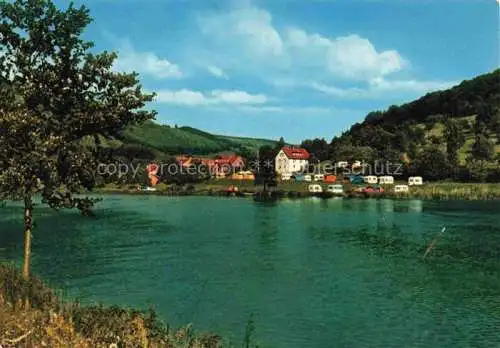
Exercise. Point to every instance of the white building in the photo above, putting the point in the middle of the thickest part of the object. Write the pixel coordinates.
(291, 160)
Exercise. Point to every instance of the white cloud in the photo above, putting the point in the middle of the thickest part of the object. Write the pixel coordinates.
(194, 98)
(304, 110)
(248, 33)
(237, 97)
(147, 63)
(356, 57)
(379, 87)
(217, 72)
(250, 26)
(338, 92)
(349, 57)
(410, 85)
(181, 97)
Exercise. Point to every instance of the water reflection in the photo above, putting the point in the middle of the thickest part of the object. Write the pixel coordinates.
(316, 273)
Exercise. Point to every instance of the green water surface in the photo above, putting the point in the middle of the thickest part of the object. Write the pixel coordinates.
(311, 273)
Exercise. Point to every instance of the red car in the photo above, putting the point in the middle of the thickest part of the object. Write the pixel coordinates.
(371, 189)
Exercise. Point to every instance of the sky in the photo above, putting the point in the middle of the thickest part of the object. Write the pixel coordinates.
(292, 68)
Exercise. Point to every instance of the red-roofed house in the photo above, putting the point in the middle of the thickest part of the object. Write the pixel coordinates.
(226, 165)
(291, 160)
(219, 167)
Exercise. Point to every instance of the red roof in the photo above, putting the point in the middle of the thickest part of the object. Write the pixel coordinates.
(296, 153)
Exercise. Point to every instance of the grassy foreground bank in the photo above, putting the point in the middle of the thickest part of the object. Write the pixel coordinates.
(31, 315)
(431, 191)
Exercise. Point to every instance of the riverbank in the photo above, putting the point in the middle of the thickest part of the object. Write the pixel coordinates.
(430, 191)
(49, 322)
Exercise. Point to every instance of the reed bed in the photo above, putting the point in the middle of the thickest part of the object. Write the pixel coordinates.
(451, 191)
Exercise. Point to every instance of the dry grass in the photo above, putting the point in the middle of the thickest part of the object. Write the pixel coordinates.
(32, 316)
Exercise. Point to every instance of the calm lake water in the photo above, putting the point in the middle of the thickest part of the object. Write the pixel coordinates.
(311, 273)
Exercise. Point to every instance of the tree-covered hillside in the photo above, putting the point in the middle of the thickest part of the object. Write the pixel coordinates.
(151, 140)
(447, 134)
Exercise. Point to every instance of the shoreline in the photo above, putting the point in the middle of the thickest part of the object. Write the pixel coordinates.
(33, 315)
(433, 191)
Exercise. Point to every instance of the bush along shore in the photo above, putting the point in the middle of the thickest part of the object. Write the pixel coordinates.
(429, 191)
(31, 315)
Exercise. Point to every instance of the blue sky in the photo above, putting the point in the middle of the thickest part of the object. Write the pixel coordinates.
(293, 68)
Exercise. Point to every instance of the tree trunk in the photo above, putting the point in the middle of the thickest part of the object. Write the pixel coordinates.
(28, 227)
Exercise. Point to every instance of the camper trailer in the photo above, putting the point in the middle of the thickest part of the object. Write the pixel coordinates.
(415, 180)
(319, 177)
(335, 189)
(370, 179)
(401, 188)
(386, 180)
(315, 188)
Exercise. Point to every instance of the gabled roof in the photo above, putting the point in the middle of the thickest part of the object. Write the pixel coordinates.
(296, 153)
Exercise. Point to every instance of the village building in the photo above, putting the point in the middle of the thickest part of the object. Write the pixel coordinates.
(220, 167)
(291, 160)
(224, 166)
(243, 175)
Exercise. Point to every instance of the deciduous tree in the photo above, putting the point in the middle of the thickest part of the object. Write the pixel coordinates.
(54, 92)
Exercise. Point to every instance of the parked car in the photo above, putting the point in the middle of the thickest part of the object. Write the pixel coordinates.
(232, 189)
(148, 189)
(370, 189)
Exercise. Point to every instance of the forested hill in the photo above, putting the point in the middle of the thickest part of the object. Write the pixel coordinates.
(477, 96)
(154, 141)
(457, 130)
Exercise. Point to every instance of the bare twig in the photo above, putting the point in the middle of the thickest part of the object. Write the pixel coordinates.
(18, 339)
(433, 243)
